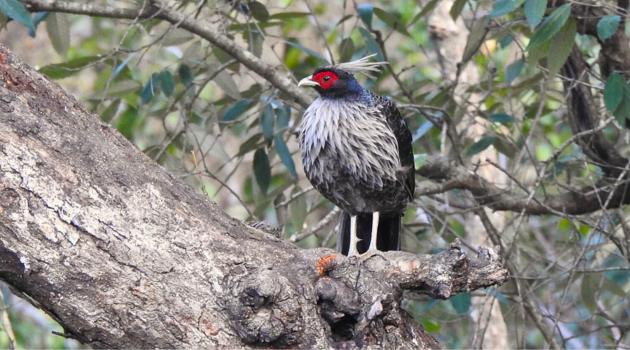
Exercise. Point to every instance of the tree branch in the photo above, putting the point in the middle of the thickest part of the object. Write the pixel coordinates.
(158, 10)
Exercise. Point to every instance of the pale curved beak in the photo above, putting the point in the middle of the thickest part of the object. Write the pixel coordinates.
(308, 81)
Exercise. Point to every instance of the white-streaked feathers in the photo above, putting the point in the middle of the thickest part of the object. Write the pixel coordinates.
(362, 66)
(355, 130)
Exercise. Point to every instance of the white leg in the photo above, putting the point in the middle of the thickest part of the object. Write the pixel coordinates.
(375, 217)
(352, 250)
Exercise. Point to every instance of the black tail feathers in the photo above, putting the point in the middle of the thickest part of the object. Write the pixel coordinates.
(389, 232)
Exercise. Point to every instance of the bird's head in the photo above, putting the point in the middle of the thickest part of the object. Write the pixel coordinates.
(332, 82)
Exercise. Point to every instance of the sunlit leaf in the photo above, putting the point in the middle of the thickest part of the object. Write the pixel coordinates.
(419, 159)
(365, 12)
(534, 11)
(262, 170)
(16, 10)
(126, 124)
(607, 26)
(561, 45)
(480, 145)
(503, 7)
(225, 81)
(550, 26)
(58, 32)
(430, 326)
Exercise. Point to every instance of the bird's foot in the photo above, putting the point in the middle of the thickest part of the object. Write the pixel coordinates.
(371, 253)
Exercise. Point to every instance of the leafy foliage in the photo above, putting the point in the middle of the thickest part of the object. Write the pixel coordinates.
(173, 94)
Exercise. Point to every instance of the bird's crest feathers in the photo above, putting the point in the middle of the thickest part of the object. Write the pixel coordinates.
(362, 65)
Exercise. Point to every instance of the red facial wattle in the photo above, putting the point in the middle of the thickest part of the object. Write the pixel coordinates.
(325, 79)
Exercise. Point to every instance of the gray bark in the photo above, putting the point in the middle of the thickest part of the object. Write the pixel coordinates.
(122, 254)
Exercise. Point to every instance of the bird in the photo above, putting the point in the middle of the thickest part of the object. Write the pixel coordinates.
(356, 150)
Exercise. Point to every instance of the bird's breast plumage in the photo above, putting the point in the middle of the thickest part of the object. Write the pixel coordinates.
(350, 154)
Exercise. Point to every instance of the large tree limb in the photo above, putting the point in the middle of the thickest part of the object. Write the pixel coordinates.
(122, 254)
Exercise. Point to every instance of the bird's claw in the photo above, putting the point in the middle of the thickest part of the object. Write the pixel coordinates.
(371, 253)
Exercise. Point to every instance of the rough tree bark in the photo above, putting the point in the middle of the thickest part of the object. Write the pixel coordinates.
(122, 254)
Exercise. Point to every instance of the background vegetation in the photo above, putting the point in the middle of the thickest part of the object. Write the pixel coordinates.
(228, 132)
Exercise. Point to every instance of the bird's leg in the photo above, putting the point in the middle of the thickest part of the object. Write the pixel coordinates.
(372, 250)
(375, 217)
(352, 250)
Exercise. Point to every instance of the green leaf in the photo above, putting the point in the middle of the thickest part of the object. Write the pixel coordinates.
(561, 45)
(617, 97)
(393, 21)
(613, 91)
(262, 170)
(503, 7)
(430, 326)
(457, 8)
(513, 70)
(256, 42)
(224, 80)
(14, 9)
(480, 145)
(534, 11)
(346, 50)
(251, 144)
(126, 124)
(267, 119)
(307, 51)
(461, 302)
(588, 289)
(111, 110)
(236, 110)
(428, 7)
(185, 75)
(167, 82)
(419, 159)
(607, 26)
(283, 117)
(58, 32)
(476, 37)
(285, 154)
(371, 44)
(550, 26)
(564, 224)
(149, 89)
(289, 15)
(117, 89)
(365, 12)
(502, 118)
(258, 11)
(66, 69)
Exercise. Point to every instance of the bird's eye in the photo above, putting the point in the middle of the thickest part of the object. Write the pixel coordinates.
(327, 78)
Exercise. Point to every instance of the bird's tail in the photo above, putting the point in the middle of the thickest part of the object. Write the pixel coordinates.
(389, 232)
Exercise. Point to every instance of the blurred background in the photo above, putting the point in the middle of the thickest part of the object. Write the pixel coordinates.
(230, 134)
